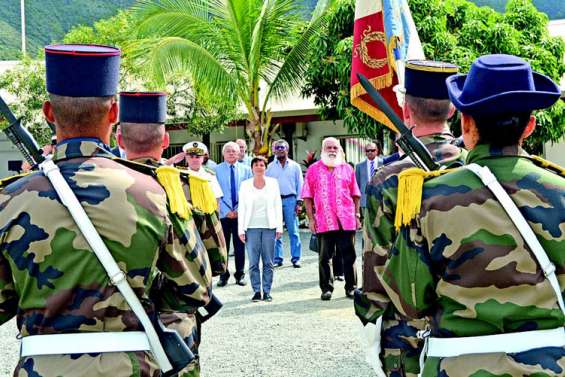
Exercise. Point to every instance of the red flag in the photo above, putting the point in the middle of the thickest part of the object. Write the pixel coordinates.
(383, 32)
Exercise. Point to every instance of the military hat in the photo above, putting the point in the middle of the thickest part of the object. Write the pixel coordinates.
(143, 107)
(195, 147)
(500, 84)
(426, 78)
(76, 70)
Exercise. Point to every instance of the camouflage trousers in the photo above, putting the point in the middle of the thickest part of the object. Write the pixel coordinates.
(188, 327)
(401, 347)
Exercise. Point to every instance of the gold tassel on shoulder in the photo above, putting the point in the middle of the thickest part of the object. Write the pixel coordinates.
(548, 165)
(169, 178)
(409, 196)
(202, 195)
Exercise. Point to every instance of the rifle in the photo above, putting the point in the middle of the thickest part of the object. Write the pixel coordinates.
(20, 136)
(411, 145)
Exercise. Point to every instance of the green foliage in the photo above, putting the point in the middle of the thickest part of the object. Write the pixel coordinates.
(48, 20)
(450, 30)
(229, 48)
(27, 82)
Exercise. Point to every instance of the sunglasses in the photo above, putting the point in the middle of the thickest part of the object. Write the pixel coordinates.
(280, 148)
(370, 150)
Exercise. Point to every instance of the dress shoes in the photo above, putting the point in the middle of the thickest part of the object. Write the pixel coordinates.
(278, 264)
(222, 282)
(350, 293)
(256, 297)
(326, 296)
(241, 282)
(340, 278)
(296, 264)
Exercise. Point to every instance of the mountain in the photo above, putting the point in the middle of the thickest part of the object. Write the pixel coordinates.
(48, 21)
(555, 9)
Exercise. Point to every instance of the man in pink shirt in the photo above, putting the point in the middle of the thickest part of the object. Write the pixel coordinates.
(332, 197)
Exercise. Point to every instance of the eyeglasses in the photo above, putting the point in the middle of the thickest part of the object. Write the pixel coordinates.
(280, 148)
(370, 150)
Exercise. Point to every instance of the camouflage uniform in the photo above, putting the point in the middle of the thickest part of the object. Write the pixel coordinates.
(187, 323)
(400, 347)
(54, 283)
(463, 263)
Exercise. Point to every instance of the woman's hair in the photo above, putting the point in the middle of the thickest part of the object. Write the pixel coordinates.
(258, 159)
(502, 130)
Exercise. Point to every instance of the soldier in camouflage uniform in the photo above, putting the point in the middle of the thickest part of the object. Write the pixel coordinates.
(142, 136)
(427, 109)
(49, 276)
(462, 262)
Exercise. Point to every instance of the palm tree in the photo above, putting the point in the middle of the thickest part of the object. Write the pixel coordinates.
(231, 49)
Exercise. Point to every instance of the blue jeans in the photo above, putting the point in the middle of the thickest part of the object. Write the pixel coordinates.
(291, 222)
(260, 243)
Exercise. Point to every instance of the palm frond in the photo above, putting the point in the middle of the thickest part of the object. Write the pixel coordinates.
(290, 76)
(170, 55)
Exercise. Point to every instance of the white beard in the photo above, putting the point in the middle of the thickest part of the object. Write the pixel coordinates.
(331, 161)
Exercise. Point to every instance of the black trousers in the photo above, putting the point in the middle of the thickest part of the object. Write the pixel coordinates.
(328, 243)
(229, 226)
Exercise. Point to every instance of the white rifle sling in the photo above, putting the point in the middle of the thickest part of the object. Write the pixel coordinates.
(117, 276)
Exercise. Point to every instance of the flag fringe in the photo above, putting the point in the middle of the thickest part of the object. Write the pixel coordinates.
(373, 112)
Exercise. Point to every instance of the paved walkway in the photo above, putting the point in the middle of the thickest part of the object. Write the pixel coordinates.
(295, 335)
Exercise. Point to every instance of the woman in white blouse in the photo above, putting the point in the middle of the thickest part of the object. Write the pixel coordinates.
(259, 225)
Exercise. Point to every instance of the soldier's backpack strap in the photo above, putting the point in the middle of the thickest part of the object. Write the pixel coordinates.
(548, 165)
(6, 181)
(489, 179)
(409, 197)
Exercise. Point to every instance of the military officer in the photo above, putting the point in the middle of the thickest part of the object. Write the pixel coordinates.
(194, 155)
(426, 108)
(49, 276)
(489, 287)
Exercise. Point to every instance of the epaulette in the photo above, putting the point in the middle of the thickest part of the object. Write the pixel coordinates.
(169, 178)
(201, 194)
(409, 197)
(548, 165)
(6, 181)
(210, 171)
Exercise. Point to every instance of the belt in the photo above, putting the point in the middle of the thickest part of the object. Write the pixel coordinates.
(287, 196)
(95, 342)
(505, 343)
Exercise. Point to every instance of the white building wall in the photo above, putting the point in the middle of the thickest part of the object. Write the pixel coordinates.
(7, 153)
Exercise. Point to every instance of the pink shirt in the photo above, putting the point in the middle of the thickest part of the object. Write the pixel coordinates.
(332, 192)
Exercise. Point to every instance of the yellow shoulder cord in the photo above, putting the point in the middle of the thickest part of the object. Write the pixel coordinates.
(6, 181)
(548, 165)
(169, 178)
(409, 196)
(201, 194)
